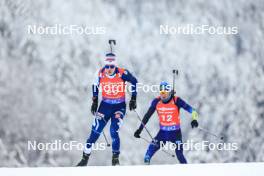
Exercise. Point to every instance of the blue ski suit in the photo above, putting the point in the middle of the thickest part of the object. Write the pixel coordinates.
(112, 106)
(167, 133)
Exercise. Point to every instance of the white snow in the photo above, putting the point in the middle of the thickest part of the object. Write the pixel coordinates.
(238, 169)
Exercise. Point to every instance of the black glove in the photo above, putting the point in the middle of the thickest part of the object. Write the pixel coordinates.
(133, 103)
(194, 124)
(137, 133)
(94, 105)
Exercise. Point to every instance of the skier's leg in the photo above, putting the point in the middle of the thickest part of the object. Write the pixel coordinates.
(179, 147)
(97, 128)
(153, 147)
(98, 125)
(115, 125)
(116, 122)
(179, 153)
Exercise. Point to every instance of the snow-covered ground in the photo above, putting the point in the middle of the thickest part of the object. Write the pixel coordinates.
(238, 169)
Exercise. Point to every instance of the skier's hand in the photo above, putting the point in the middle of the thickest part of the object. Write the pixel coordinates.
(133, 103)
(94, 105)
(194, 124)
(137, 133)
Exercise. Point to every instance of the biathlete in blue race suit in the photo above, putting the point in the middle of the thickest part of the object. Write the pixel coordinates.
(168, 108)
(111, 80)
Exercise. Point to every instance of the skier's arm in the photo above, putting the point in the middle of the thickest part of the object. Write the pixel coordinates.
(149, 113)
(146, 118)
(95, 86)
(182, 104)
(95, 90)
(127, 76)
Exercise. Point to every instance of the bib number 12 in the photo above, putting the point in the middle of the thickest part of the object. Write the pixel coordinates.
(166, 118)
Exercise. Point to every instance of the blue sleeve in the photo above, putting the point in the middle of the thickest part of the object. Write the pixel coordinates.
(154, 103)
(149, 113)
(127, 76)
(182, 104)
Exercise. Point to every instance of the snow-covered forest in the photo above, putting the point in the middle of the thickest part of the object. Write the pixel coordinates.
(45, 80)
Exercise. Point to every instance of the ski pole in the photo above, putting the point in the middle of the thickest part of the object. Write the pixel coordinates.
(149, 142)
(110, 43)
(174, 72)
(143, 124)
(107, 143)
(212, 134)
(150, 135)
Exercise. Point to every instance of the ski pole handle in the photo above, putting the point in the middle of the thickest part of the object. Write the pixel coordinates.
(110, 43)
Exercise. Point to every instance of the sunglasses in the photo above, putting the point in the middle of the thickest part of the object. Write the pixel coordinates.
(164, 92)
(109, 66)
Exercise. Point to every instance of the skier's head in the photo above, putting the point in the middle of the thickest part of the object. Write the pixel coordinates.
(165, 91)
(110, 63)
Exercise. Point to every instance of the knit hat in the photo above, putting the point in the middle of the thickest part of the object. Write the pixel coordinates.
(110, 59)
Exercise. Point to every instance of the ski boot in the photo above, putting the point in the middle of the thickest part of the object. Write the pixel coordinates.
(147, 161)
(84, 160)
(115, 159)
